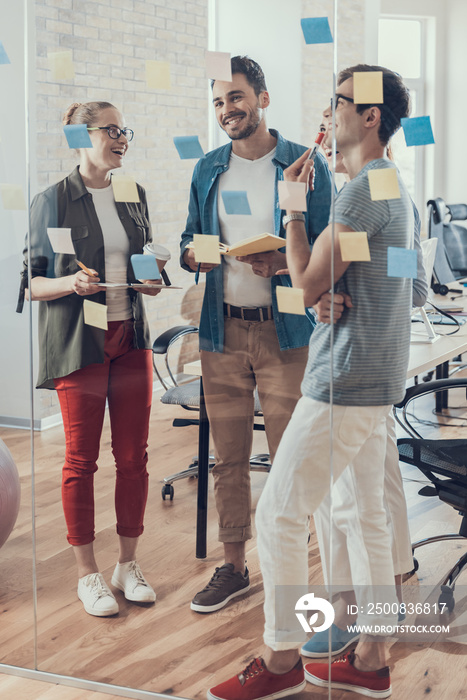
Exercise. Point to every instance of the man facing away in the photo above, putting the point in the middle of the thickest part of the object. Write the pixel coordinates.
(245, 342)
(371, 350)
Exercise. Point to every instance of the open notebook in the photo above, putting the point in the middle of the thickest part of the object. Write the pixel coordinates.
(262, 243)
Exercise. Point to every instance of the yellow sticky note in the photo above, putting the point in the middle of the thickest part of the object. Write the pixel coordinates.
(384, 184)
(354, 246)
(290, 300)
(12, 197)
(61, 65)
(368, 88)
(158, 75)
(124, 188)
(95, 314)
(206, 248)
(292, 195)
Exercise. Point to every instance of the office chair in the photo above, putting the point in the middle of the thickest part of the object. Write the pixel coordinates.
(451, 253)
(444, 463)
(187, 395)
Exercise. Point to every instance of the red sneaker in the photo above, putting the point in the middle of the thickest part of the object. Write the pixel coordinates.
(255, 682)
(344, 675)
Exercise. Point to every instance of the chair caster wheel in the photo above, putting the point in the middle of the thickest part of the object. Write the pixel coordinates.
(168, 490)
(446, 599)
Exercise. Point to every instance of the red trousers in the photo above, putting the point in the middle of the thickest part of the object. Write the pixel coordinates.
(125, 380)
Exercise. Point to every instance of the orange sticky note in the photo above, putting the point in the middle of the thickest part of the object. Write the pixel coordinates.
(206, 248)
(61, 65)
(290, 300)
(12, 197)
(95, 314)
(292, 195)
(384, 184)
(368, 88)
(124, 188)
(354, 246)
(158, 75)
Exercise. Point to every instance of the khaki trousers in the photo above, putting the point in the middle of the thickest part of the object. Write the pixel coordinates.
(251, 358)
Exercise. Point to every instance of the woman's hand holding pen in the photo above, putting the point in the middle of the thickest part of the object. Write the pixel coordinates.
(84, 284)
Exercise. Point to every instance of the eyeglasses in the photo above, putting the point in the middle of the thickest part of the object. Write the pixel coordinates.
(114, 132)
(338, 97)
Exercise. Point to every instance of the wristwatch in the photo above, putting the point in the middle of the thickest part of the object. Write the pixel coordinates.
(296, 216)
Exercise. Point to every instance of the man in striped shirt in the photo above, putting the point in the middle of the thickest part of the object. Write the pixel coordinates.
(359, 367)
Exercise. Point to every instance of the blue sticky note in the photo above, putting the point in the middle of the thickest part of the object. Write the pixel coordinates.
(417, 131)
(77, 135)
(3, 54)
(145, 267)
(316, 30)
(402, 262)
(188, 147)
(236, 202)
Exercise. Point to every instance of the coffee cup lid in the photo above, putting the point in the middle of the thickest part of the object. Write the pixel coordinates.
(159, 251)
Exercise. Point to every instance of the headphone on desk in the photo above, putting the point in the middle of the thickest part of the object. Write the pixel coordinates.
(443, 289)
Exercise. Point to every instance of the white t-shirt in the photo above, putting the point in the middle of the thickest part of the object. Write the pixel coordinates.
(241, 286)
(116, 251)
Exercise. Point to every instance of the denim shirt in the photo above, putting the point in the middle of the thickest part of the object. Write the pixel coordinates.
(293, 331)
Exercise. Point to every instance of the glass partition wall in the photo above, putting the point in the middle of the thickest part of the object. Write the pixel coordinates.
(65, 52)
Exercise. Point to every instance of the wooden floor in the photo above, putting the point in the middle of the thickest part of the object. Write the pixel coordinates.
(166, 647)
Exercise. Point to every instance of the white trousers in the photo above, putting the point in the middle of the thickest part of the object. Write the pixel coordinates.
(336, 525)
(297, 484)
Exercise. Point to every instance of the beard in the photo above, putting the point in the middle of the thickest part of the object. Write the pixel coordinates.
(248, 127)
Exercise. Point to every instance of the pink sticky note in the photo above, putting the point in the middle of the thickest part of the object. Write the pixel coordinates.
(218, 66)
(292, 195)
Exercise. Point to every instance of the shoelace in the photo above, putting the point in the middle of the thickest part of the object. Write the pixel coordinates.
(97, 585)
(253, 669)
(218, 578)
(345, 658)
(135, 571)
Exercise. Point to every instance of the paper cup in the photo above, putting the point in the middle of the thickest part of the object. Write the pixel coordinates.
(159, 251)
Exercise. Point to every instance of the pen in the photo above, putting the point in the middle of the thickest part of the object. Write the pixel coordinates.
(86, 269)
(314, 150)
(197, 273)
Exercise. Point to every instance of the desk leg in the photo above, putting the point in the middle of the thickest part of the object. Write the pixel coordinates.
(441, 397)
(203, 474)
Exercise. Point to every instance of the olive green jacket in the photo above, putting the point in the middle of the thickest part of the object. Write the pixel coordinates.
(65, 342)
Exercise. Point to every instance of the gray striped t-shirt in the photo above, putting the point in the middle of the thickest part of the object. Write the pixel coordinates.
(371, 340)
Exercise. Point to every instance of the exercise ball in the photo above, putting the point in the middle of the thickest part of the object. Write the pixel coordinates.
(10, 494)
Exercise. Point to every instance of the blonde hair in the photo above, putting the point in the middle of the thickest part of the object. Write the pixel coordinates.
(84, 113)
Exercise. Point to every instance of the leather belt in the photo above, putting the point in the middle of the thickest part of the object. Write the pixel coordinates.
(261, 313)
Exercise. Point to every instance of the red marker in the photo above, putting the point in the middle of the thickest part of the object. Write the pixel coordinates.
(314, 150)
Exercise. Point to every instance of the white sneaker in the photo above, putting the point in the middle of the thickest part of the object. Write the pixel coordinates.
(129, 578)
(96, 596)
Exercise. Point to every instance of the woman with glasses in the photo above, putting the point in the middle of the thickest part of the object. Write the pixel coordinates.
(88, 365)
